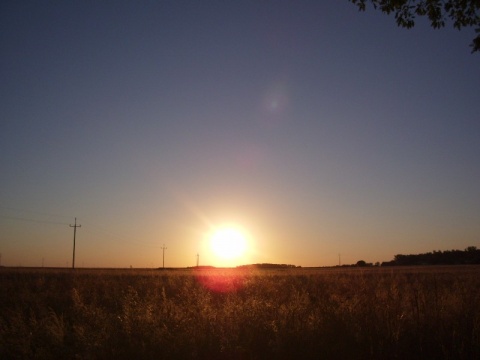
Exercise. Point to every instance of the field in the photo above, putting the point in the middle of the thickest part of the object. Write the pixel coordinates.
(356, 313)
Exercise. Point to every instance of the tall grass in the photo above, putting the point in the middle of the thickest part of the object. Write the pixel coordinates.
(414, 313)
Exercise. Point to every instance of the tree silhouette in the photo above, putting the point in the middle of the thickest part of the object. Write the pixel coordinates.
(462, 13)
(469, 256)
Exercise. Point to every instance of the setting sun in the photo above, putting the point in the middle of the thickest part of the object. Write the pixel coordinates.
(228, 243)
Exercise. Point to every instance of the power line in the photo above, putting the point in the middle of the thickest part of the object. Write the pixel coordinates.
(31, 220)
(74, 233)
(119, 239)
(32, 212)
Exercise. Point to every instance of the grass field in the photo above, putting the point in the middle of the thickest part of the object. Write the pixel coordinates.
(369, 313)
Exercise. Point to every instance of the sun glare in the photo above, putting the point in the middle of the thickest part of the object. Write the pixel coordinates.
(228, 243)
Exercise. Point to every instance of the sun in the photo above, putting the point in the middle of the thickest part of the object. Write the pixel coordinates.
(228, 243)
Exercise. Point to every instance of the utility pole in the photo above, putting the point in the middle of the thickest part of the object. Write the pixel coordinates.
(339, 260)
(198, 259)
(74, 233)
(164, 248)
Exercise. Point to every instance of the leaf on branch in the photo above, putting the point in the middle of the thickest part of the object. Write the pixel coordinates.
(462, 13)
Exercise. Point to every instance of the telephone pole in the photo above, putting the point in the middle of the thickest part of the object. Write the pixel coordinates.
(198, 259)
(164, 248)
(74, 233)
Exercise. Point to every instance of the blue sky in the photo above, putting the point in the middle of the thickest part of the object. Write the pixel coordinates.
(317, 129)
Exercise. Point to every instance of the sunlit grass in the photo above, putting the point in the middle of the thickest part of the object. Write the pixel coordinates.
(413, 313)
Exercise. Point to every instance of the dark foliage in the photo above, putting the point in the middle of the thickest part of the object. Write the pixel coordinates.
(461, 13)
(470, 255)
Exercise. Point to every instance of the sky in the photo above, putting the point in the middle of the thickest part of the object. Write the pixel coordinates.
(323, 133)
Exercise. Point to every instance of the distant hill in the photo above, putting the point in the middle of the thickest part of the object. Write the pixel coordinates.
(267, 266)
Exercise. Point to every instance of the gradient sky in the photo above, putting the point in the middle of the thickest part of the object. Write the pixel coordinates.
(317, 129)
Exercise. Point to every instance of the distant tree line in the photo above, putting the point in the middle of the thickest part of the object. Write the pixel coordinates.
(359, 263)
(471, 255)
(268, 266)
